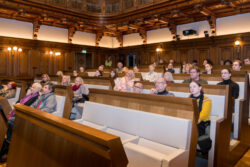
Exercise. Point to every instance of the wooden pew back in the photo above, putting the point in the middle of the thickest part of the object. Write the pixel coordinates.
(41, 139)
(172, 106)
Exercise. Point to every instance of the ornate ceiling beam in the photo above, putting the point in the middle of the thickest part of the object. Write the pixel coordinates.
(99, 36)
(36, 26)
(173, 30)
(212, 23)
(143, 34)
(71, 33)
(119, 37)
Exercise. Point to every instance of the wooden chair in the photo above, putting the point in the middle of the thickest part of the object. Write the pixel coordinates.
(42, 139)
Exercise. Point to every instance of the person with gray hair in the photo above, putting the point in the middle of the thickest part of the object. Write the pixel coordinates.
(151, 76)
(30, 98)
(160, 88)
(138, 87)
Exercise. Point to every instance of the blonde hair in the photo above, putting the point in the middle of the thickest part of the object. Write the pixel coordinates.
(169, 75)
(131, 73)
(81, 80)
(47, 76)
(67, 79)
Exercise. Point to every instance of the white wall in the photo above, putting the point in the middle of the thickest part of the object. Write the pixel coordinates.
(132, 39)
(106, 42)
(14, 28)
(199, 27)
(160, 35)
(233, 24)
(55, 34)
(84, 38)
(116, 44)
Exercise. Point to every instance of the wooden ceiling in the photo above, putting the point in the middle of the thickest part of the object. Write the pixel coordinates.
(119, 17)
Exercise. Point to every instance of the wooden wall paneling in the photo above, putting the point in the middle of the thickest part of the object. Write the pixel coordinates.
(35, 56)
(44, 63)
(190, 55)
(3, 67)
(246, 51)
(203, 53)
(23, 62)
(69, 61)
(213, 55)
(226, 52)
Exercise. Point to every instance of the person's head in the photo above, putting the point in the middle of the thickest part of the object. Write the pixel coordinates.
(171, 61)
(247, 61)
(160, 84)
(138, 87)
(75, 73)
(228, 62)
(187, 68)
(81, 69)
(208, 67)
(151, 68)
(36, 87)
(135, 69)
(194, 62)
(45, 78)
(207, 61)
(130, 75)
(48, 88)
(66, 80)
(170, 66)
(168, 76)
(113, 74)
(109, 58)
(236, 65)
(226, 74)
(195, 88)
(59, 73)
(119, 65)
(194, 73)
(11, 85)
(100, 68)
(78, 81)
(125, 69)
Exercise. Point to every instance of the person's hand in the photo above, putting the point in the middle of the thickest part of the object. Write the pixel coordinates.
(153, 91)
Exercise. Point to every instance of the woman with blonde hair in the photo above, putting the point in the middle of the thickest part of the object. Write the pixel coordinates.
(45, 78)
(187, 68)
(168, 77)
(126, 83)
(65, 80)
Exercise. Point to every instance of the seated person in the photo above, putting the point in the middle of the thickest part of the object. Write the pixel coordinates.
(59, 73)
(119, 67)
(160, 88)
(228, 63)
(151, 76)
(108, 62)
(45, 78)
(195, 76)
(138, 87)
(170, 68)
(126, 83)
(226, 77)
(47, 100)
(99, 72)
(171, 61)
(168, 77)
(205, 107)
(187, 68)
(208, 68)
(66, 80)
(207, 61)
(8, 91)
(81, 69)
(135, 69)
(194, 63)
(81, 93)
(30, 98)
(247, 61)
(124, 70)
(236, 65)
(75, 74)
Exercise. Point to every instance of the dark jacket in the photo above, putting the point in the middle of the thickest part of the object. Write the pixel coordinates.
(165, 93)
(30, 101)
(235, 87)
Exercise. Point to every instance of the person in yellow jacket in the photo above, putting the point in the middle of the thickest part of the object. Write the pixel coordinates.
(205, 107)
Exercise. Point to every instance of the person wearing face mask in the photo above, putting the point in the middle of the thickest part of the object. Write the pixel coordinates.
(226, 77)
(205, 107)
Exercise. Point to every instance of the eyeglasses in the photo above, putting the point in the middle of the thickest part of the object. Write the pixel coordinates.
(138, 87)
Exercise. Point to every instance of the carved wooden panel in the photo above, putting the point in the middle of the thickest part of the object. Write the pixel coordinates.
(246, 52)
(24, 63)
(3, 66)
(202, 55)
(226, 53)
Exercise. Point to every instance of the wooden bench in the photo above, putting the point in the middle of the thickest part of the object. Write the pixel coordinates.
(99, 82)
(5, 109)
(64, 95)
(152, 104)
(41, 139)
